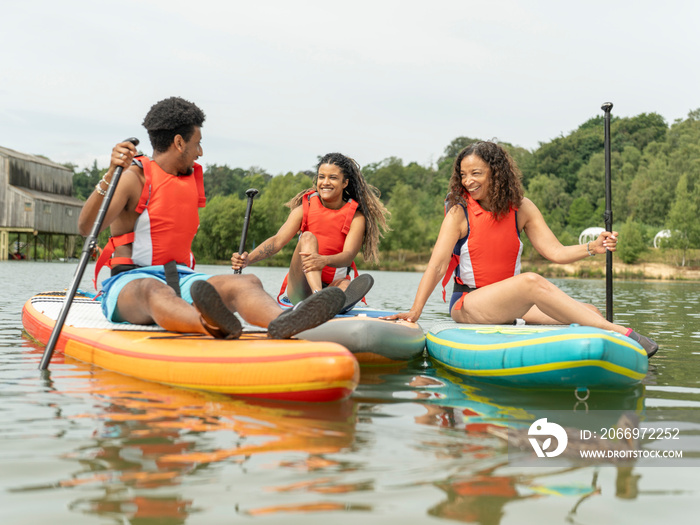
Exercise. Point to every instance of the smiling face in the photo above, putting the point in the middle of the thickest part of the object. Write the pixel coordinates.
(330, 184)
(476, 178)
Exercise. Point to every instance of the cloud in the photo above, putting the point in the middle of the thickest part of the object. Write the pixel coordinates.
(283, 82)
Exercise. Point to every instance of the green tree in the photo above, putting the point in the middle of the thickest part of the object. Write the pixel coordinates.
(651, 191)
(564, 156)
(622, 176)
(550, 196)
(581, 214)
(220, 226)
(638, 131)
(84, 182)
(632, 244)
(683, 219)
(409, 229)
(385, 175)
(222, 180)
(590, 184)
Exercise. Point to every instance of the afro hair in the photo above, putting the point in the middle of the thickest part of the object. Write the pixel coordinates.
(170, 117)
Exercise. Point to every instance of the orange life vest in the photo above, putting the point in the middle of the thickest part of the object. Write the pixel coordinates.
(330, 227)
(489, 253)
(168, 220)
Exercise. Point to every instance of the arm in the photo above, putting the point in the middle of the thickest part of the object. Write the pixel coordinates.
(351, 247)
(122, 155)
(454, 226)
(530, 221)
(271, 246)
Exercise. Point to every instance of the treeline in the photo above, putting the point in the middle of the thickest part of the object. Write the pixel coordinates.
(655, 186)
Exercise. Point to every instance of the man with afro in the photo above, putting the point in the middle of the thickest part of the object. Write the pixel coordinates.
(153, 217)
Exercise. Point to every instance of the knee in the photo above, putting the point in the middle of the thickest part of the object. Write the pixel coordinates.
(308, 240)
(149, 286)
(152, 288)
(535, 281)
(251, 281)
(235, 282)
(246, 281)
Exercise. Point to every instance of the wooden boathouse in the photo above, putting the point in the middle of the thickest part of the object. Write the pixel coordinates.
(37, 206)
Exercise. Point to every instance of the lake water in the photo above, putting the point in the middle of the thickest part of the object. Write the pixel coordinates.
(84, 445)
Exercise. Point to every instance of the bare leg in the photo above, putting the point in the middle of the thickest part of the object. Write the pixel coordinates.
(148, 301)
(300, 285)
(341, 283)
(536, 316)
(244, 294)
(514, 298)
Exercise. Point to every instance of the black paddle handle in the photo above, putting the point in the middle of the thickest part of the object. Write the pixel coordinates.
(608, 216)
(88, 248)
(251, 193)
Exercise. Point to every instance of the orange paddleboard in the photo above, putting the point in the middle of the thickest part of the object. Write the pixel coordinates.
(252, 366)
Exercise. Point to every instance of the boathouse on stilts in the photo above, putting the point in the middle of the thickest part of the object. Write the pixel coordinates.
(38, 212)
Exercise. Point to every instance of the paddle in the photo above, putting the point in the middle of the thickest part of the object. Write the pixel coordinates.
(251, 193)
(88, 249)
(608, 216)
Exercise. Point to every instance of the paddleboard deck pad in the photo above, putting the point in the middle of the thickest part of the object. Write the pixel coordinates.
(252, 366)
(537, 355)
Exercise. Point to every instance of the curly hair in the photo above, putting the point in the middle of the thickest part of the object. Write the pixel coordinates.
(367, 197)
(506, 188)
(169, 117)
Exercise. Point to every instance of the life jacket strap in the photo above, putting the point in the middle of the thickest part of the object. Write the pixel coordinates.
(172, 277)
(106, 258)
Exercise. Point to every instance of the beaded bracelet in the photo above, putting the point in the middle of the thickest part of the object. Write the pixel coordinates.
(99, 188)
(588, 249)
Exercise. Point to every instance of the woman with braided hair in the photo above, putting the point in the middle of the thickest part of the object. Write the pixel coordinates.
(337, 217)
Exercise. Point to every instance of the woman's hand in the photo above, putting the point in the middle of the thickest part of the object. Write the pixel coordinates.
(606, 241)
(313, 262)
(411, 316)
(239, 260)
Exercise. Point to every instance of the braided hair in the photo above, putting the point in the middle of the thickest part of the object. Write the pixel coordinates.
(506, 188)
(366, 196)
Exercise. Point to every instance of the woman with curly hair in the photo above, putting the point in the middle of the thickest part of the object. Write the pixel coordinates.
(479, 244)
(337, 217)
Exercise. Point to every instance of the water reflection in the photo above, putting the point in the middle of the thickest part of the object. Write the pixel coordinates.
(485, 481)
(482, 497)
(439, 389)
(150, 439)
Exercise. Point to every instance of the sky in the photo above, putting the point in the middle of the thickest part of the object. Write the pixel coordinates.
(284, 82)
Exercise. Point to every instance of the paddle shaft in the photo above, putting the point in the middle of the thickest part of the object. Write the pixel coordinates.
(88, 249)
(607, 107)
(251, 193)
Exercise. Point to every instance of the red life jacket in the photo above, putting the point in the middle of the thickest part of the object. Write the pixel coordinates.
(489, 253)
(330, 227)
(168, 220)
